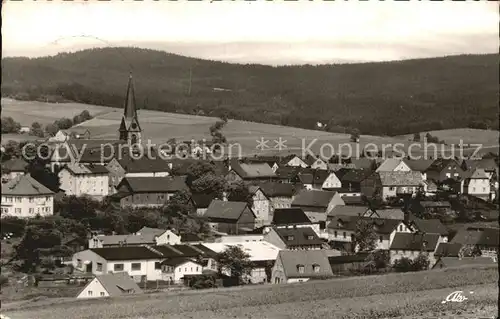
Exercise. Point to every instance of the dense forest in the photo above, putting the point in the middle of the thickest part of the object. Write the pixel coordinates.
(388, 98)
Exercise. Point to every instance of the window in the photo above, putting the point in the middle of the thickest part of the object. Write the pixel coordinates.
(344, 234)
(185, 269)
(168, 237)
(18, 210)
(90, 292)
(102, 293)
(448, 175)
(191, 269)
(78, 263)
(31, 210)
(18, 199)
(136, 266)
(99, 267)
(179, 269)
(316, 268)
(380, 239)
(300, 269)
(290, 237)
(473, 189)
(310, 237)
(31, 199)
(484, 189)
(157, 265)
(197, 268)
(118, 267)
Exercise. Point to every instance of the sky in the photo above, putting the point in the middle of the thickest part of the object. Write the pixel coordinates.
(265, 32)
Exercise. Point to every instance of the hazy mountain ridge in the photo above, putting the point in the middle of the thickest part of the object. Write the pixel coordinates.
(386, 98)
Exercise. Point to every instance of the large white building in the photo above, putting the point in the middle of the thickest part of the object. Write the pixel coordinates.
(25, 197)
(84, 179)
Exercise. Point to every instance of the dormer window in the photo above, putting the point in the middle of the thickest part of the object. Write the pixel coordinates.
(301, 269)
(310, 237)
(290, 237)
(316, 268)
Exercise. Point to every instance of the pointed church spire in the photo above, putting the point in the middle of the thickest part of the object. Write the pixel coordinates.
(130, 110)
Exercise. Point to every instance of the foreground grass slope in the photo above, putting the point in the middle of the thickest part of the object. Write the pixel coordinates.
(362, 297)
(391, 98)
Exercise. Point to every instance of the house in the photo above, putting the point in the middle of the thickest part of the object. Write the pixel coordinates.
(13, 168)
(249, 172)
(453, 262)
(487, 164)
(262, 254)
(297, 238)
(300, 266)
(430, 226)
(430, 187)
(320, 180)
(316, 163)
(141, 262)
(25, 197)
(485, 240)
(410, 245)
(272, 161)
(290, 174)
(261, 206)
(443, 169)
(352, 199)
(316, 204)
(84, 179)
(348, 264)
(342, 229)
(477, 183)
(128, 166)
(344, 210)
(293, 218)
(106, 241)
(161, 236)
(393, 165)
(174, 269)
(148, 191)
(280, 194)
(198, 253)
(109, 285)
(230, 217)
(394, 184)
(294, 161)
(432, 208)
(202, 201)
(72, 133)
(445, 249)
(351, 179)
(84, 151)
(420, 165)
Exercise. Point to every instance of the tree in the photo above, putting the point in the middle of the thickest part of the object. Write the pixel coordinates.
(12, 150)
(416, 137)
(239, 192)
(179, 205)
(63, 123)
(9, 125)
(197, 170)
(380, 259)
(215, 132)
(422, 262)
(364, 237)
(403, 265)
(355, 136)
(36, 130)
(82, 208)
(51, 129)
(236, 261)
(210, 183)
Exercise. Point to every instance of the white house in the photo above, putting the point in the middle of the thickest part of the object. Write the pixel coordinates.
(477, 184)
(175, 269)
(145, 236)
(261, 206)
(294, 161)
(411, 245)
(84, 179)
(109, 285)
(300, 266)
(393, 165)
(25, 197)
(162, 236)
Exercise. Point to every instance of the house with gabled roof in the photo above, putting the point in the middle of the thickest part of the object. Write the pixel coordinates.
(293, 160)
(410, 245)
(393, 184)
(362, 163)
(293, 218)
(443, 169)
(280, 194)
(476, 183)
(230, 217)
(316, 204)
(351, 179)
(201, 201)
(430, 226)
(293, 266)
(389, 213)
(345, 210)
(315, 163)
(449, 250)
(109, 285)
(420, 165)
(489, 166)
(248, 171)
(295, 238)
(261, 206)
(319, 180)
(13, 168)
(485, 240)
(148, 191)
(25, 197)
(272, 161)
(393, 165)
(84, 179)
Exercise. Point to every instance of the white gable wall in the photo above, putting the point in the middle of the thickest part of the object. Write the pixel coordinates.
(168, 238)
(94, 289)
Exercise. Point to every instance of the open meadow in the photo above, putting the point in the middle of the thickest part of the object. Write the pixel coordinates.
(159, 127)
(379, 296)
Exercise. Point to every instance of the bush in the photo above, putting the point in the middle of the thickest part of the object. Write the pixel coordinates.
(403, 265)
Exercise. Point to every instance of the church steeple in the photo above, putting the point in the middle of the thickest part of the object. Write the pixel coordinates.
(130, 130)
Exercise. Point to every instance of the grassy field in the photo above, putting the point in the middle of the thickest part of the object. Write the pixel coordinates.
(392, 295)
(467, 135)
(159, 127)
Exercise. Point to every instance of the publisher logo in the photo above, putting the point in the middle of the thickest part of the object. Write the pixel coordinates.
(456, 296)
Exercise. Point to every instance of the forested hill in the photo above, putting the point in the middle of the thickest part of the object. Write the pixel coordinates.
(387, 98)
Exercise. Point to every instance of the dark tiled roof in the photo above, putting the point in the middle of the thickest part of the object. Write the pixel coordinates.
(167, 184)
(189, 237)
(467, 237)
(300, 236)
(391, 213)
(313, 198)
(288, 172)
(401, 178)
(207, 251)
(25, 185)
(414, 242)
(288, 216)
(292, 259)
(440, 163)
(346, 259)
(275, 189)
(448, 250)
(354, 175)
(176, 261)
(202, 200)
(316, 177)
(430, 226)
(126, 253)
(352, 200)
(382, 226)
(144, 164)
(362, 163)
(418, 165)
(226, 210)
(252, 170)
(15, 165)
(86, 169)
